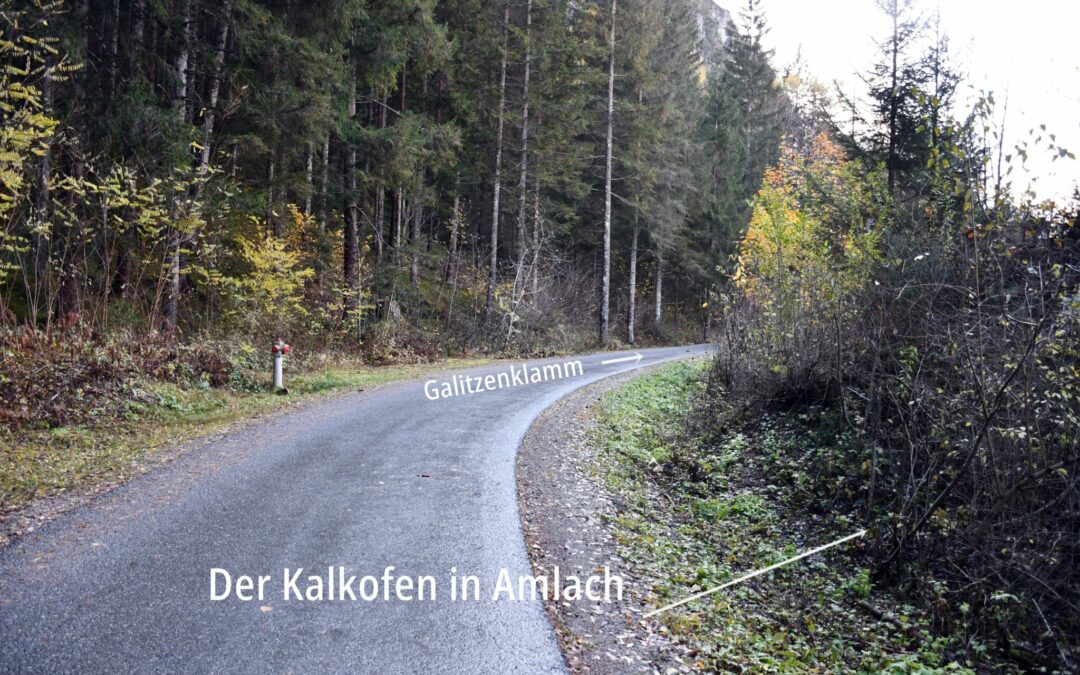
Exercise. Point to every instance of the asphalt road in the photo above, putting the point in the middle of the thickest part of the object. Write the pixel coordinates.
(364, 481)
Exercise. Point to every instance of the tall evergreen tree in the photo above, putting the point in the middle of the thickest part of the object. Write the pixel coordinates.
(745, 116)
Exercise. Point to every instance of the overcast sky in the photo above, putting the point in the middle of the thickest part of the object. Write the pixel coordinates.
(1028, 50)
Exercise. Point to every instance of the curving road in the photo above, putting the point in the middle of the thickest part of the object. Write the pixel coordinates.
(363, 480)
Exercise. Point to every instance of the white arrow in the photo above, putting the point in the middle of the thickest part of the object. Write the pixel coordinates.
(635, 358)
(755, 573)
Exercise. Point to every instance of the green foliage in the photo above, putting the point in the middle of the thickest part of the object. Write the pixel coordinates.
(740, 130)
(811, 238)
(802, 266)
(29, 58)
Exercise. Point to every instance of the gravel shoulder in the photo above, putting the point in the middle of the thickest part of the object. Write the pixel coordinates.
(565, 508)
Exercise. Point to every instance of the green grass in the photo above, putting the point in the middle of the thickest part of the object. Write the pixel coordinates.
(699, 510)
(46, 462)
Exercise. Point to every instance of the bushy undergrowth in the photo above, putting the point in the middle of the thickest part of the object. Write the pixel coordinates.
(947, 351)
(699, 507)
(68, 377)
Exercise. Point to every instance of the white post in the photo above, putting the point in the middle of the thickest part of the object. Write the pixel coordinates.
(279, 351)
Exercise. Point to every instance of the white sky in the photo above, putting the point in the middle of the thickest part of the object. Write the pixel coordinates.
(1027, 50)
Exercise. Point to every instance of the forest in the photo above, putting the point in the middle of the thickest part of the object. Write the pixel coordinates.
(368, 175)
(184, 181)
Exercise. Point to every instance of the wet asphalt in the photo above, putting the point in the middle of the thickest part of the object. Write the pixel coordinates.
(364, 480)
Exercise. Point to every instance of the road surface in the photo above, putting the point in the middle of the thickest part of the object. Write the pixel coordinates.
(364, 481)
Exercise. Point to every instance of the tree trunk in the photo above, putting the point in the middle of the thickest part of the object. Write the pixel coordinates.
(138, 22)
(455, 227)
(452, 258)
(522, 179)
(534, 273)
(380, 199)
(324, 211)
(271, 222)
(401, 217)
(894, 102)
(633, 285)
(658, 316)
(349, 252)
(42, 244)
(214, 90)
(536, 238)
(605, 328)
(324, 189)
(70, 296)
(180, 107)
(114, 54)
(498, 163)
(399, 208)
(152, 31)
(73, 274)
(380, 219)
(309, 178)
(417, 221)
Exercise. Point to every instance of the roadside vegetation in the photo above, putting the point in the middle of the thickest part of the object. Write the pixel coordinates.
(698, 508)
(898, 350)
(901, 298)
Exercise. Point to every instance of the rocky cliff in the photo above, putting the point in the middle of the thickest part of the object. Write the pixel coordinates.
(713, 22)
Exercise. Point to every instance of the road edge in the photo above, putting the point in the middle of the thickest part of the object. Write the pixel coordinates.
(561, 505)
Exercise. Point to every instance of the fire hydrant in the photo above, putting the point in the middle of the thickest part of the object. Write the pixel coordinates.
(279, 350)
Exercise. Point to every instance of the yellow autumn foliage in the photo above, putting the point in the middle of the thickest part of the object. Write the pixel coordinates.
(264, 292)
(801, 249)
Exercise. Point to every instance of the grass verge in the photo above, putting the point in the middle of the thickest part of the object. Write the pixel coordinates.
(37, 463)
(698, 510)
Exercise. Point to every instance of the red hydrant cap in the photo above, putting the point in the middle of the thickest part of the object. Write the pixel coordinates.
(285, 349)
